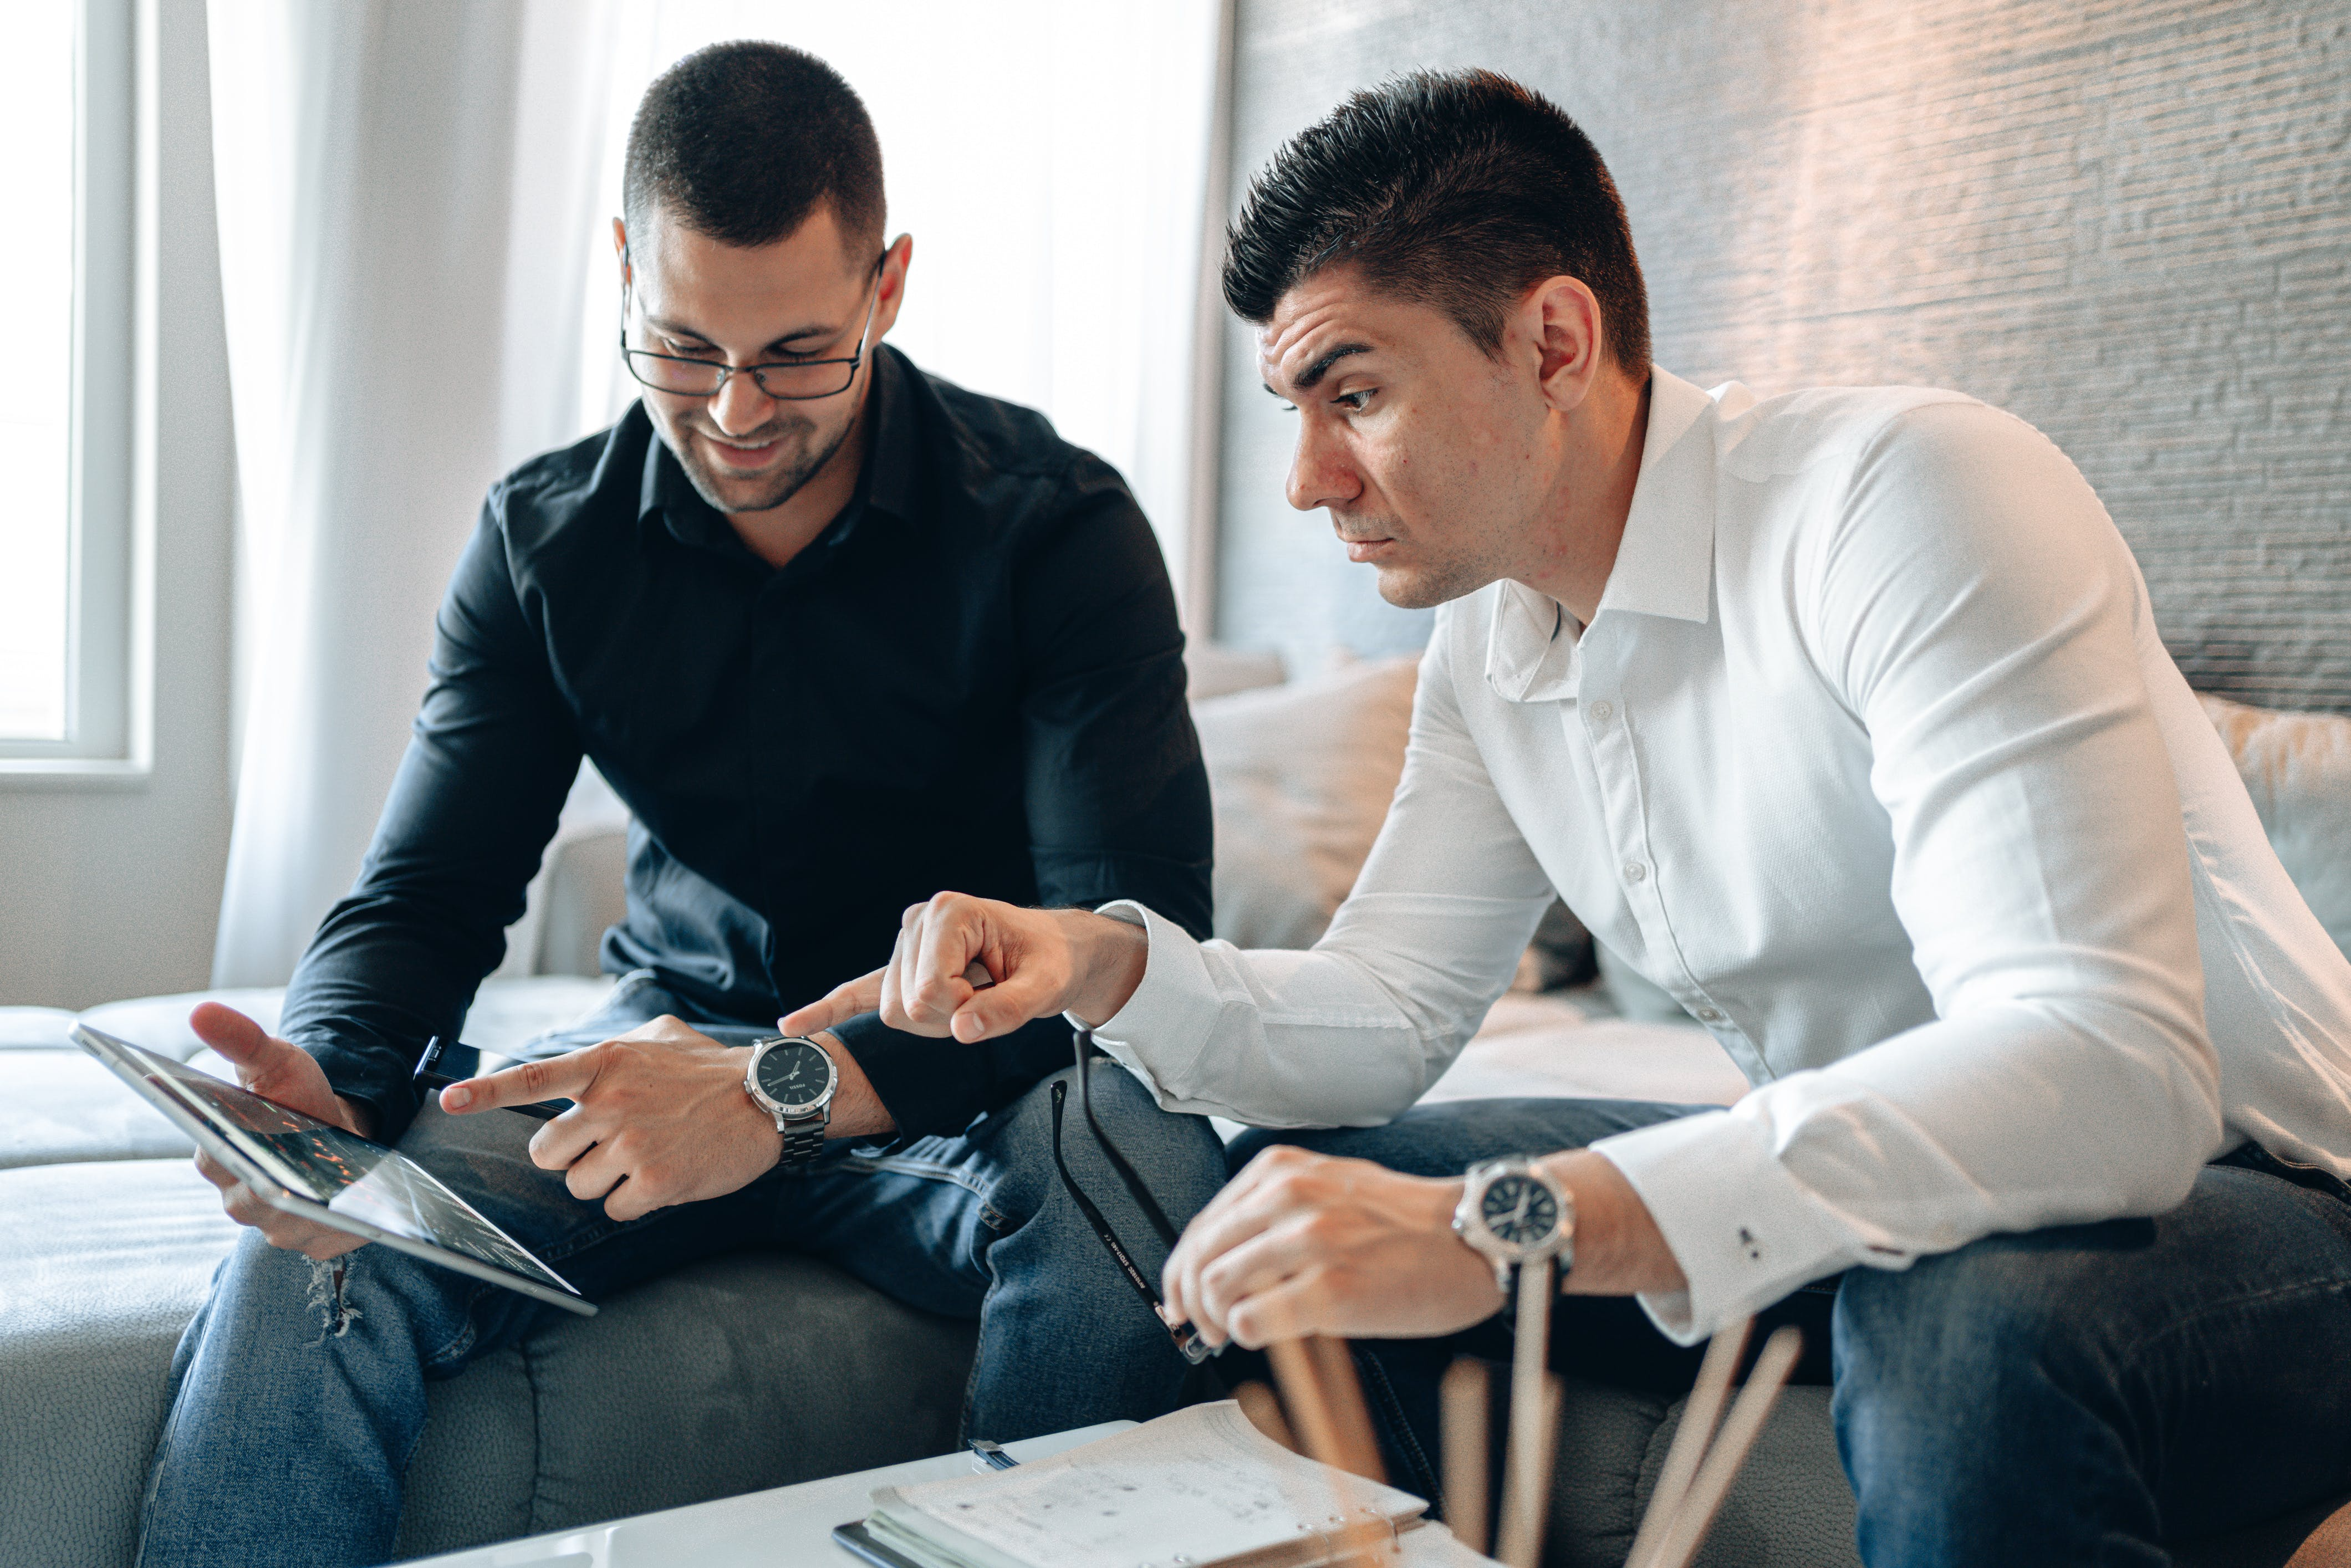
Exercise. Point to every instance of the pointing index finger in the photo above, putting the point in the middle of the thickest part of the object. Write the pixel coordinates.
(559, 1077)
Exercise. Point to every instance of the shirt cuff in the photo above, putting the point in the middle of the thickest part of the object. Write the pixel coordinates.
(369, 1076)
(1744, 1230)
(1166, 1023)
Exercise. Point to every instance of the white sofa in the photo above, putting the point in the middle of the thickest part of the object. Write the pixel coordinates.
(704, 1385)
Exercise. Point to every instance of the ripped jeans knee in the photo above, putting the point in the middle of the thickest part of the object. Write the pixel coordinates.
(336, 1313)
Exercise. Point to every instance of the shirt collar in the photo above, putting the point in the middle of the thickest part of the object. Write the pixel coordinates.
(1665, 563)
(666, 498)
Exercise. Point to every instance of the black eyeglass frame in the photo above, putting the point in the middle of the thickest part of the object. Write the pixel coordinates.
(725, 372)
(1188, 1342)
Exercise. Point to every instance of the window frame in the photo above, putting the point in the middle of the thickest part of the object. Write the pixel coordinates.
(107, 732)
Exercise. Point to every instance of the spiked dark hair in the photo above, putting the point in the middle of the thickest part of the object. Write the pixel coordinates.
(741, 141)
(1456, 190)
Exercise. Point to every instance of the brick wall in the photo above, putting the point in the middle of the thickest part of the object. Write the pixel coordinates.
(2128, 221)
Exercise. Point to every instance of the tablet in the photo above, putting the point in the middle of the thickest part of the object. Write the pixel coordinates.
(316, 1169)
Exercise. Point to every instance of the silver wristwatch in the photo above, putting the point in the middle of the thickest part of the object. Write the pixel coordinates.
(793, 1080)
(1513, 1212)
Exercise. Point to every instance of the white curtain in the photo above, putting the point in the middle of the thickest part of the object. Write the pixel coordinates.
(413, 197)
(387, 258)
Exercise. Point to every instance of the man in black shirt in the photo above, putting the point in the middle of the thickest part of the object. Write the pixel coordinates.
(841, 635)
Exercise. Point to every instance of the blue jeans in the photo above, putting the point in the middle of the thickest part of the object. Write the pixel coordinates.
(2077, 1395)
(298, 1398)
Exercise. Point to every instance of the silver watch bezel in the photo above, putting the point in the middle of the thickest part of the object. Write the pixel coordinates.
(1469, 1218)
(779, 1109)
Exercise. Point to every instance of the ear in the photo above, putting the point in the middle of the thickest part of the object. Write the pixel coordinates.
(1563, 317)
(620, 248)
(894, 262)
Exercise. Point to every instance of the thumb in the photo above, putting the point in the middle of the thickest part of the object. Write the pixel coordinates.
(838, 1006)
(1001, 1008)
(277, 1069)
(245, 1043)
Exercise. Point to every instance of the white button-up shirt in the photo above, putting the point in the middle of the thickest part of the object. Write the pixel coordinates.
(1871, 756)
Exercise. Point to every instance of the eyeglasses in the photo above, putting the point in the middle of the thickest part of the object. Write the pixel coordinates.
(1187, 1339)
(785, 381)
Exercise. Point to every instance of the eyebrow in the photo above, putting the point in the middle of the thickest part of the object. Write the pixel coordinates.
(798, 334)
(1322, 367)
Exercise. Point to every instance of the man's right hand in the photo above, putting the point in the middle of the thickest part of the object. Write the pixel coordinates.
(279, 1070)
(1045, 961)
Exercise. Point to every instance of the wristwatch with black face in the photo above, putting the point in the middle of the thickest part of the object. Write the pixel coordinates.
(1513, 1212)
(793, 1080)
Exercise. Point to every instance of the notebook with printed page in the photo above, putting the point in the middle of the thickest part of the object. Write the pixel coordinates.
(1199, 1488)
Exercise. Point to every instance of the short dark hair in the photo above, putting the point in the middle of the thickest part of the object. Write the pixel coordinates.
(1456, 190)
(741, 141)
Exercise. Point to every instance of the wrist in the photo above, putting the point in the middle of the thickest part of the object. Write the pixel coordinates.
(1619, 1250)
(1107, 960)
(857, 1109)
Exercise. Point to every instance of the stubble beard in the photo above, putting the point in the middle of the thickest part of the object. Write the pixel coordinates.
(1431, 582)
(786, 484)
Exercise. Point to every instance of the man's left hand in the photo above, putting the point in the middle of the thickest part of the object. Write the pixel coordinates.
(1303, 1243)
(661, 1118)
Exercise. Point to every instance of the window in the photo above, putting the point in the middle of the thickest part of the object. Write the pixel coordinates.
(66, 405)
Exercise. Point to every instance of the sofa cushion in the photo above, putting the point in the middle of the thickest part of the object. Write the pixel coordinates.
(100, 1268)
(2297, 767)
(733, 1376)
(736, 1374)
(34, 1028)
(160, 1024)
(1213, 670)
(1301, 774)
(63, 1107)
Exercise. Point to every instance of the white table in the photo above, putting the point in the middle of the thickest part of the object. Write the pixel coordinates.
(789, 1524)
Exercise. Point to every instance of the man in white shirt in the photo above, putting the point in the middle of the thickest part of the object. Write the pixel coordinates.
(1842, 716)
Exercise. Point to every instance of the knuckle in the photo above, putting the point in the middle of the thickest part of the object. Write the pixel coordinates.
(1278, 1160)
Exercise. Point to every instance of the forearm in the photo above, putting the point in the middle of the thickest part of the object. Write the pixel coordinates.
(1349, 1034)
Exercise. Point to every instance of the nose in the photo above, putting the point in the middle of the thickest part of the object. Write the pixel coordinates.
(740, 406)
(1320, 472)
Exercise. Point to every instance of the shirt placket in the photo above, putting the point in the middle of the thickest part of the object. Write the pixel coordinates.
(1604, 717)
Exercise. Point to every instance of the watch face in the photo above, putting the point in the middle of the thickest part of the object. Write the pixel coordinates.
(1519, 1210)
(794, 1076)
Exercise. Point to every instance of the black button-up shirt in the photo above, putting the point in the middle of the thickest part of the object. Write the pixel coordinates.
(973, 679)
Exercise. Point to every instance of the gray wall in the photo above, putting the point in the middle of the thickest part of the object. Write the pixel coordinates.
(2128, 221)
(112, 889)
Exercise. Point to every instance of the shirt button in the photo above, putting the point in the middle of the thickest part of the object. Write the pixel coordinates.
(1603, 711)
(1709, 1015)
(1635, 871)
